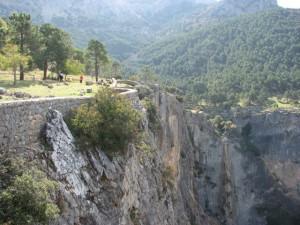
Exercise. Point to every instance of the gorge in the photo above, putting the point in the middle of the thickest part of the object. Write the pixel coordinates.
(139, 112)
(191, 175)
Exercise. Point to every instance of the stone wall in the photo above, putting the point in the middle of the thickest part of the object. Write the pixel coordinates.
(21, 121)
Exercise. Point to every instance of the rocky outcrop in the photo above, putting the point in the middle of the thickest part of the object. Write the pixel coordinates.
(153, 187)
(21, 121)
(250, 176)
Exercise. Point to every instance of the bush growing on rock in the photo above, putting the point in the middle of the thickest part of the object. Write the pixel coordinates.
(9, 169)
(168, 176)
(221, 124)
(25, 198)
(154, 123)
(108, 121)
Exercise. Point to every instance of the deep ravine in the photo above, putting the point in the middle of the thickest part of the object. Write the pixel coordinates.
(191, 175)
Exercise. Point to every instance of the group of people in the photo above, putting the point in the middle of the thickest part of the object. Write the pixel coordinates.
(61, 77)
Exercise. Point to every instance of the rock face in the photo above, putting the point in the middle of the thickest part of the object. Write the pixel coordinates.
(250, 177)
(191, 175)
(21, 121)
(142, 187)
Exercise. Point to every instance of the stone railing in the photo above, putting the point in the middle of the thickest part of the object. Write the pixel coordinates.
(132, 95)
(21, 121)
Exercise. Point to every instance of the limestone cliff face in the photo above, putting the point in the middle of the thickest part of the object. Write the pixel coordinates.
(251, 176)
(149, 188)
(191, 175)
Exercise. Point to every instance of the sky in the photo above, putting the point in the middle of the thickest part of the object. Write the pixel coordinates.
(289, 3)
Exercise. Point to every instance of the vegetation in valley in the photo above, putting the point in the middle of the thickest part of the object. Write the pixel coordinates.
(221, 125)
(152, 114)
(108, 121)
(225, 64)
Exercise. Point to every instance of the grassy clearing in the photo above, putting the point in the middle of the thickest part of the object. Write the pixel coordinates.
(283, 104)
(275, 103)
(34, 86)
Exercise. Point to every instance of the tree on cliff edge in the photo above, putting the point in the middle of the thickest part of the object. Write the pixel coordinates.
(3, 32)
(96, 52)
(21, 32)
(54, 48)
(12, 59)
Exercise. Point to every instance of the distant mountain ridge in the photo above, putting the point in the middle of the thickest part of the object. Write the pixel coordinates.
(263, 38)
(126, 25)
(237, 7)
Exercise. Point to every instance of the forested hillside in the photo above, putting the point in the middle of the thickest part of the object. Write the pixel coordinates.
(125, 26)
(253, 56)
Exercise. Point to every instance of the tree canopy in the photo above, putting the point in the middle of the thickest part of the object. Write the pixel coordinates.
(49, 48)
(3, 32)
(25, 193)
(12, 59)
(54, 50)
(223, 62)
(108, 121)
(21, 32)
(97, 54)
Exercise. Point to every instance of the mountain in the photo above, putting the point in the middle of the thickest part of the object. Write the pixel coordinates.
(237, 7)
(125, 26)
(220, 45)
(256, 54)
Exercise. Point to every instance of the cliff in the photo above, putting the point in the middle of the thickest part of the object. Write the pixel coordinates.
(251, 175)
(188, 175)
(142, 187)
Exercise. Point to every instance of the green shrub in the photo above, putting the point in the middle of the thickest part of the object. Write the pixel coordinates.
(180, 98)
(152, 115)
(134, 216)
(221, 124)
(9, 169)
(108, 120)
(218, 122)
(27, 200)
(168, 176)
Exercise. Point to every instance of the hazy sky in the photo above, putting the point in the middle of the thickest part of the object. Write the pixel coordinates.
(289, 3)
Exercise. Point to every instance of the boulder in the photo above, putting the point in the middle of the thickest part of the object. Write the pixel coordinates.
(89, 90)
(89, 83)
(2, 91)
(22, 95)
(82, 92)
